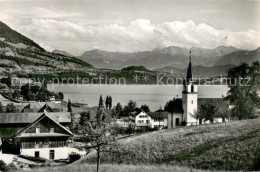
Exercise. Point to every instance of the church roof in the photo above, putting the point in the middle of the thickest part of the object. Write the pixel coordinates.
(175, 106)
(189, 71)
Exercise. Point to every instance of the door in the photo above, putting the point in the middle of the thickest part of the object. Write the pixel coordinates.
(36, 154)
(52, 155)
(177, 122)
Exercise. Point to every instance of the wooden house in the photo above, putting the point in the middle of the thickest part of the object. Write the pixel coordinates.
(42, 135)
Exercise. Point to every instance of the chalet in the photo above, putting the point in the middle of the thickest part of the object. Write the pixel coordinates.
(42, 135)
(139, 118)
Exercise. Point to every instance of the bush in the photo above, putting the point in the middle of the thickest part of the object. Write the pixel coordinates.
(11, 167)
(2, 166)
(74, 157)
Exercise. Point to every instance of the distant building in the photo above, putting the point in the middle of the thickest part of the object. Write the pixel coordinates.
(159, 119)
(139, 119)
(41, 106)
(42, 135)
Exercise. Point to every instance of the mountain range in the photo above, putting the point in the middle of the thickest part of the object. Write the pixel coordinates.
(175, 57)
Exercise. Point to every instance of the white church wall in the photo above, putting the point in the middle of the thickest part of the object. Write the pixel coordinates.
(171, 122)
(190, 105)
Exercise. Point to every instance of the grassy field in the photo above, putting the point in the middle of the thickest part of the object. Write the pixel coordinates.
(234, 146)
(116, 168)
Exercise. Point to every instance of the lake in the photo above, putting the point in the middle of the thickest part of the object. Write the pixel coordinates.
(152, 95)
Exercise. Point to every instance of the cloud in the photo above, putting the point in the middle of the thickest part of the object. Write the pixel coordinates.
(138, 35)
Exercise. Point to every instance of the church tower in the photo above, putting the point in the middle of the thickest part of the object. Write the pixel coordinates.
(189, 97)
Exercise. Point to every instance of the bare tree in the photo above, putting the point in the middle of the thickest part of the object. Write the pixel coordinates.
(101, 136)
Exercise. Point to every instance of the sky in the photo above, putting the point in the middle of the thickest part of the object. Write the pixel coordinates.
(77, 26)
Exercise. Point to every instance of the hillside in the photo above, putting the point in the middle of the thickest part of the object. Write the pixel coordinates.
(234, 146)
(160, 58)
(134, 68)
(14, 37)
(19, 53)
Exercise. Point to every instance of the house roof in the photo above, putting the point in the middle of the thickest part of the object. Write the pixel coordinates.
(136, 112)
(44, 115)
(27, 118)
(42, 135)
(159, 115)
(40, 106)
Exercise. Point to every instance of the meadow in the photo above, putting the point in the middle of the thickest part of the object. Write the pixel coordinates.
(116, 168)
(231, 146)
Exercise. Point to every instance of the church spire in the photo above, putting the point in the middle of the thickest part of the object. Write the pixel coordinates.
(189, 72)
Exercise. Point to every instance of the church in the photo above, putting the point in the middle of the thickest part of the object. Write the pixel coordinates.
(183, 111)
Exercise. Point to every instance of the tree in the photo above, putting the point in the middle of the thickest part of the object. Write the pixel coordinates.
(206, 112)
(132, 104)
(84, 117)
(130, 130)
(71, 115)
(41, 96)
(10, 108)
(69, 106)
(119, 109)
(1, 108)
(110, 102)
(2, 166)
(107, 102)
(16, 94)
(129, 107)
(9, 81)
(145, 108)
(100, 136)
(100, 103)
(61, 95)
(243, 94)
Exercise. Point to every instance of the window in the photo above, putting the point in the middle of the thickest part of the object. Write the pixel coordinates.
(191, 101)
(37, 129)
(147, 121)
(36, 154)
(52, 154)
(51, 130)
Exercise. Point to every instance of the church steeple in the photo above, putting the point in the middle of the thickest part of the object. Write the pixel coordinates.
(189, 72)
